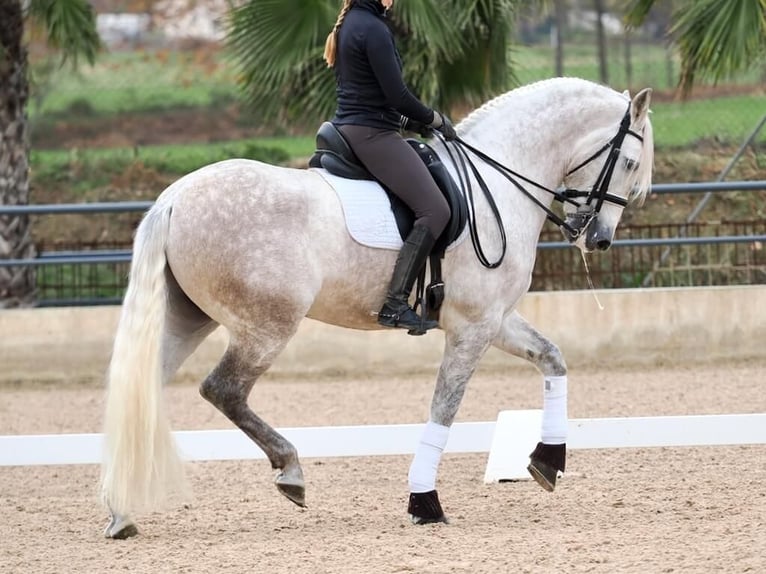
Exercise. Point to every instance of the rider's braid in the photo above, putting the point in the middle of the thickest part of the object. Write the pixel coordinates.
(330, 45)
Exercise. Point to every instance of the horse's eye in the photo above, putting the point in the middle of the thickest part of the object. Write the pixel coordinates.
(631, 165)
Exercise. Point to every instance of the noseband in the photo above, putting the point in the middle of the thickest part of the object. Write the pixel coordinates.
(595, 198)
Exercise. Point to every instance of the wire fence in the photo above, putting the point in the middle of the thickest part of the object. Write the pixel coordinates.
(651, 255)
(724, 253)
(739, 258)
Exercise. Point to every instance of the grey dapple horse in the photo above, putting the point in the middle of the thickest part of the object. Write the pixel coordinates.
(256, 248)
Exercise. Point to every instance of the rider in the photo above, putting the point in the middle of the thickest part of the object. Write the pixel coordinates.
(373, 104)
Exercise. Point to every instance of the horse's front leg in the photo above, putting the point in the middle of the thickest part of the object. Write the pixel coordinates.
(461, 355)
(521, 339)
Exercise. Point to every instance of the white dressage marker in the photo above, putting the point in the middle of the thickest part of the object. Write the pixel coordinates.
(517, 433)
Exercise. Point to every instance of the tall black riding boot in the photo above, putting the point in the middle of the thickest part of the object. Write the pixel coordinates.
(396, 311)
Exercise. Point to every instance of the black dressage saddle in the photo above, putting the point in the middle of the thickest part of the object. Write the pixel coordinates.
(335, 155)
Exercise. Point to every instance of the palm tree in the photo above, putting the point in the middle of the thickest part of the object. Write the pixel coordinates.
(70, 27)
(454, 52)
(716, 38)
(603, 68)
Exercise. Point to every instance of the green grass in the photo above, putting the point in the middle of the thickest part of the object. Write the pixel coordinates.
(280, 148)
(676, 124)
(652, 66)
(93, 167)
(143, 81)
(133, 81)
(679, 124)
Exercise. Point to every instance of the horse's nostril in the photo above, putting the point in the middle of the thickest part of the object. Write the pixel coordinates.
(603, 244)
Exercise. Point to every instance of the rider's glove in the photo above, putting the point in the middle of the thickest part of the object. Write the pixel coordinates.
(442, 123)
(409, 125)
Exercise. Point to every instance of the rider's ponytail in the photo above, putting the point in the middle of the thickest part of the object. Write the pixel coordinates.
(330, 45)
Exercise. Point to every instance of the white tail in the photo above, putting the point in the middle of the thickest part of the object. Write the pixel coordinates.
(141, 465)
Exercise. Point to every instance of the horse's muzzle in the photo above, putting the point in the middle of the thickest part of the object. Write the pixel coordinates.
(597, 237)
(589, 233)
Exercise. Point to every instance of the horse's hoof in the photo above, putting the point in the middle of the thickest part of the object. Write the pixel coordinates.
(543, 474)
(425, 508)
(293, 488)
(545, 463)
(418, 520)
(120, 528)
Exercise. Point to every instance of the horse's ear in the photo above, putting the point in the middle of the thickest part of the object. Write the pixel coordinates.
(639, 107)
(626, 93)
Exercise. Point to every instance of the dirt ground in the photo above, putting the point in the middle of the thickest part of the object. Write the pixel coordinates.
(632, 510)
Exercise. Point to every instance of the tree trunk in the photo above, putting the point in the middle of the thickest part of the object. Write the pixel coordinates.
(17, 284)
(560, 15)
(603, 70)
(628, 59)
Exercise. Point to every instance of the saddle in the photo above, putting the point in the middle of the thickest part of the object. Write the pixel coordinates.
(335, 155)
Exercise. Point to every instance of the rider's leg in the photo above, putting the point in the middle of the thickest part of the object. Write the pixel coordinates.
(394, 163)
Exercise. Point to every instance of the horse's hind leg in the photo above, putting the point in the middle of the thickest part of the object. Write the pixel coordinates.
(186, 326)
(249, 355)
(520, 339)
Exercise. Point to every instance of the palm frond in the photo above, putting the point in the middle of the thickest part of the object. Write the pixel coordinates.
(453, 51)
(636, 12)
(277, 45)
(70, 26)
(718, 39)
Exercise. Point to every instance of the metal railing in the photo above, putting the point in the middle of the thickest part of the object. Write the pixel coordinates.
(119, 258)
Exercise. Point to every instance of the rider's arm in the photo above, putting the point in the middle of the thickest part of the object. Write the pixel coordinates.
(381, 54)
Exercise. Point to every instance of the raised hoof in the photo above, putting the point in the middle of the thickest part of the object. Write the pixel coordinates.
(543, 474)
(293, 489)
(120, 528)
(545, 463)
(425, 508)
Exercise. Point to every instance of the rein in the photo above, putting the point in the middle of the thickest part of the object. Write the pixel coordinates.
(598, 193)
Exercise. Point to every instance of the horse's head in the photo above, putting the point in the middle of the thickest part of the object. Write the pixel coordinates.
(614, 164)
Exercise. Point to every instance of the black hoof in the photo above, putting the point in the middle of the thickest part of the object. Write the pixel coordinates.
(424, 508)
(545, 463)
(120, 528)
(128, 532)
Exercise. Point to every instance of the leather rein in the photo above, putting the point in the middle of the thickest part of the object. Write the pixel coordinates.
(595, 197)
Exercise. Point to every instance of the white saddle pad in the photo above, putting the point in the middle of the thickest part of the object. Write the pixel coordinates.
(367, 211)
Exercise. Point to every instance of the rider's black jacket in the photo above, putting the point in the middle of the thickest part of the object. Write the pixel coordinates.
(368, 69)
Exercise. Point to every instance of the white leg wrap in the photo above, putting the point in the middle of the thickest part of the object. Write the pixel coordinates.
(422, 476)
(554, 427)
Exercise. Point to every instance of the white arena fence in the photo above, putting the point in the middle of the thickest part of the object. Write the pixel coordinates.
(509, 440)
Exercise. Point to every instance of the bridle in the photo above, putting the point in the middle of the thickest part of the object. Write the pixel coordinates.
(600, 190)
(595, 197)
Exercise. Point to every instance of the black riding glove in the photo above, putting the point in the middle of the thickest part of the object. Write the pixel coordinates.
(442, 123)
(410, 125)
